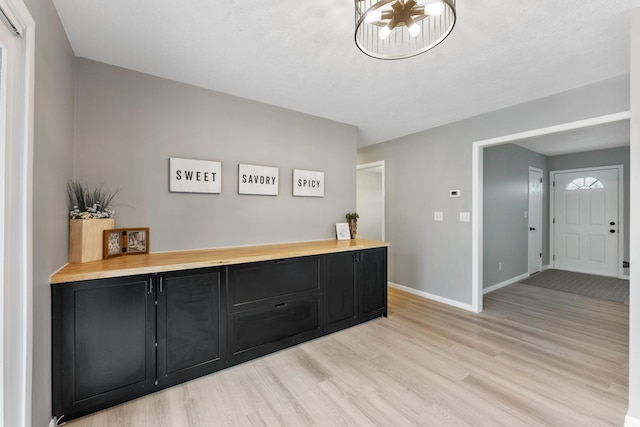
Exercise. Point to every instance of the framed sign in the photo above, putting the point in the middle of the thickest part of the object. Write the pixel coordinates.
(342, 231)
(308, 183)
(194, 176)
(262, 180)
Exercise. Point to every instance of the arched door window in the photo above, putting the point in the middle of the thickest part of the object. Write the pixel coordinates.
(585, 183)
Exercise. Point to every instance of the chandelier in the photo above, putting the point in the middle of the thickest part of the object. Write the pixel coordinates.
(396, 29)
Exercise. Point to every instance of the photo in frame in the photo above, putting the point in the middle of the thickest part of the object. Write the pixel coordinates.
(342, 231)
(113, 243)
(137, 241)
(125, 241)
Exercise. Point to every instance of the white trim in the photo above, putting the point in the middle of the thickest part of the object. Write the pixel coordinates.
(546, 267)
(18, 264)
(476, 187)
(381, 164)
(505, 283)
(541, 213)
(432, 297)
(624, 277)
(52, 423)
(630, 421)
(552, 195)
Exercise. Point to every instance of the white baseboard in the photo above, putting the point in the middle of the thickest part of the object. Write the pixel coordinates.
(546, 267)
(505, 283)
(630, 421)
(52, 423)
(624, 276)
(433, 297)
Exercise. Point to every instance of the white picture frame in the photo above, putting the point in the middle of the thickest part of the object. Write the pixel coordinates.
(308, 183)
(342, 231)
(258, 180)
(194, 176)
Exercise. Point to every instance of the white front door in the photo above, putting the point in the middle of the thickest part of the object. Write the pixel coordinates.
(586, 221)
(535, 220)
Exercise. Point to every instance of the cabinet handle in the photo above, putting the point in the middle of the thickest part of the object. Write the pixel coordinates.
(281, 305)
(151, 286)
(161, 281)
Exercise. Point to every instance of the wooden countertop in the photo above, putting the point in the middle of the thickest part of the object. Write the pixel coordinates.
(183, 260)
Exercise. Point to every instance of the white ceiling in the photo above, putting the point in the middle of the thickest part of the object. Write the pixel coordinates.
(300, 55)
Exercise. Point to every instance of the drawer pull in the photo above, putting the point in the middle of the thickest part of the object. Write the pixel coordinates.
(281, 305)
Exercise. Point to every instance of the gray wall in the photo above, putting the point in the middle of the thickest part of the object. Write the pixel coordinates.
(129, 124)
(52, 168)
(506, 198)
(435, 257)
(613, 156)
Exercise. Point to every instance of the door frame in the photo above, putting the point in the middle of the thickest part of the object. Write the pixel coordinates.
(375, 165)
(16, 346)
(541, 172)
(477, 187)
(620, 237)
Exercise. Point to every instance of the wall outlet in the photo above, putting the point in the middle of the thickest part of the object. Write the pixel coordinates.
(499, 266)
(465, 216)
(438, 216)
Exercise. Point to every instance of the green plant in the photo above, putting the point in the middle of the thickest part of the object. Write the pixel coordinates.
(87, 203)
(352, 216)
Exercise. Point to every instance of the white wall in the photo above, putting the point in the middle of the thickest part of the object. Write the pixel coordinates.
(129, 124)
(369, 203)
(633, 416)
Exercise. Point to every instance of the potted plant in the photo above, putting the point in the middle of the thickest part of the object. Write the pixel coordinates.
(352, 219)
(90, 213)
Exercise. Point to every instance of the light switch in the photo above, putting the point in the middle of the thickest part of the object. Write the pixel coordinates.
(465, 216)
(438, 216)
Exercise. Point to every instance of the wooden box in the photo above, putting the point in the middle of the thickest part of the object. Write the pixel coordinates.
(85, 238)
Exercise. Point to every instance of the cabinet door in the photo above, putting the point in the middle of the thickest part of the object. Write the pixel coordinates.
(191, 325)
(340, 291)
(103, 343)
(372, 283)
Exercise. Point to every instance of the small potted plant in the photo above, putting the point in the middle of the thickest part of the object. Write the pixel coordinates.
(352, 219)
(90, 213)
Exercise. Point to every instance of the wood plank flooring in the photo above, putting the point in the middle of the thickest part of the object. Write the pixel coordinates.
(533, 357)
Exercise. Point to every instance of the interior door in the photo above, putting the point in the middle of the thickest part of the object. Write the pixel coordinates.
(586, 221)
(535, 220)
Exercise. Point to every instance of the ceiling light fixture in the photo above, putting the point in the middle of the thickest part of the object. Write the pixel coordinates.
(396, 29)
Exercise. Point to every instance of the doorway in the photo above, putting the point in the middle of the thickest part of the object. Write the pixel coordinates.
(536, 191)
(477, 188)
(370, 200)
(586, 230)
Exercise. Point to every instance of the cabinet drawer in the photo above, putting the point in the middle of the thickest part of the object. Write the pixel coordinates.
(257, 281)
(269, 328)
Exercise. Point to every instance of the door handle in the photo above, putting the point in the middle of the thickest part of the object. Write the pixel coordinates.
(532, 229)
(612, 223)
(612, 231)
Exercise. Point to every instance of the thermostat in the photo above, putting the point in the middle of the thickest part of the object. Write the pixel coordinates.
(454, 193)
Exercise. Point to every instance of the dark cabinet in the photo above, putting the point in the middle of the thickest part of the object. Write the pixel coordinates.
(372, 283)
(103, 343)
(355, 287)
(340, 287)
(121, 338)
(273, 305)
(191, 325)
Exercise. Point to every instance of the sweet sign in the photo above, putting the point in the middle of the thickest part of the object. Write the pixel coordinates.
(194, 176)
(308, 183)
(262, 180)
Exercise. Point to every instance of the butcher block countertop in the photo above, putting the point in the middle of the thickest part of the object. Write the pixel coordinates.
(129, 265)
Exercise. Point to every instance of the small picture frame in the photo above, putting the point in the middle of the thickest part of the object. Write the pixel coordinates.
(137, 241)
(342, 231)
(113, 243)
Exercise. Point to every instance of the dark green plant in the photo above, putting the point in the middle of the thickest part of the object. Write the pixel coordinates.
(87, 203)
(352, 216)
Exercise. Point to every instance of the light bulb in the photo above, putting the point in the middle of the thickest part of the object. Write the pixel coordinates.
(414, 29)
(384, 32)
(373, 16)
(434, 9)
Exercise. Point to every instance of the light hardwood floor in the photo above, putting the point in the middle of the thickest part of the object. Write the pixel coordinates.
(533, 357)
